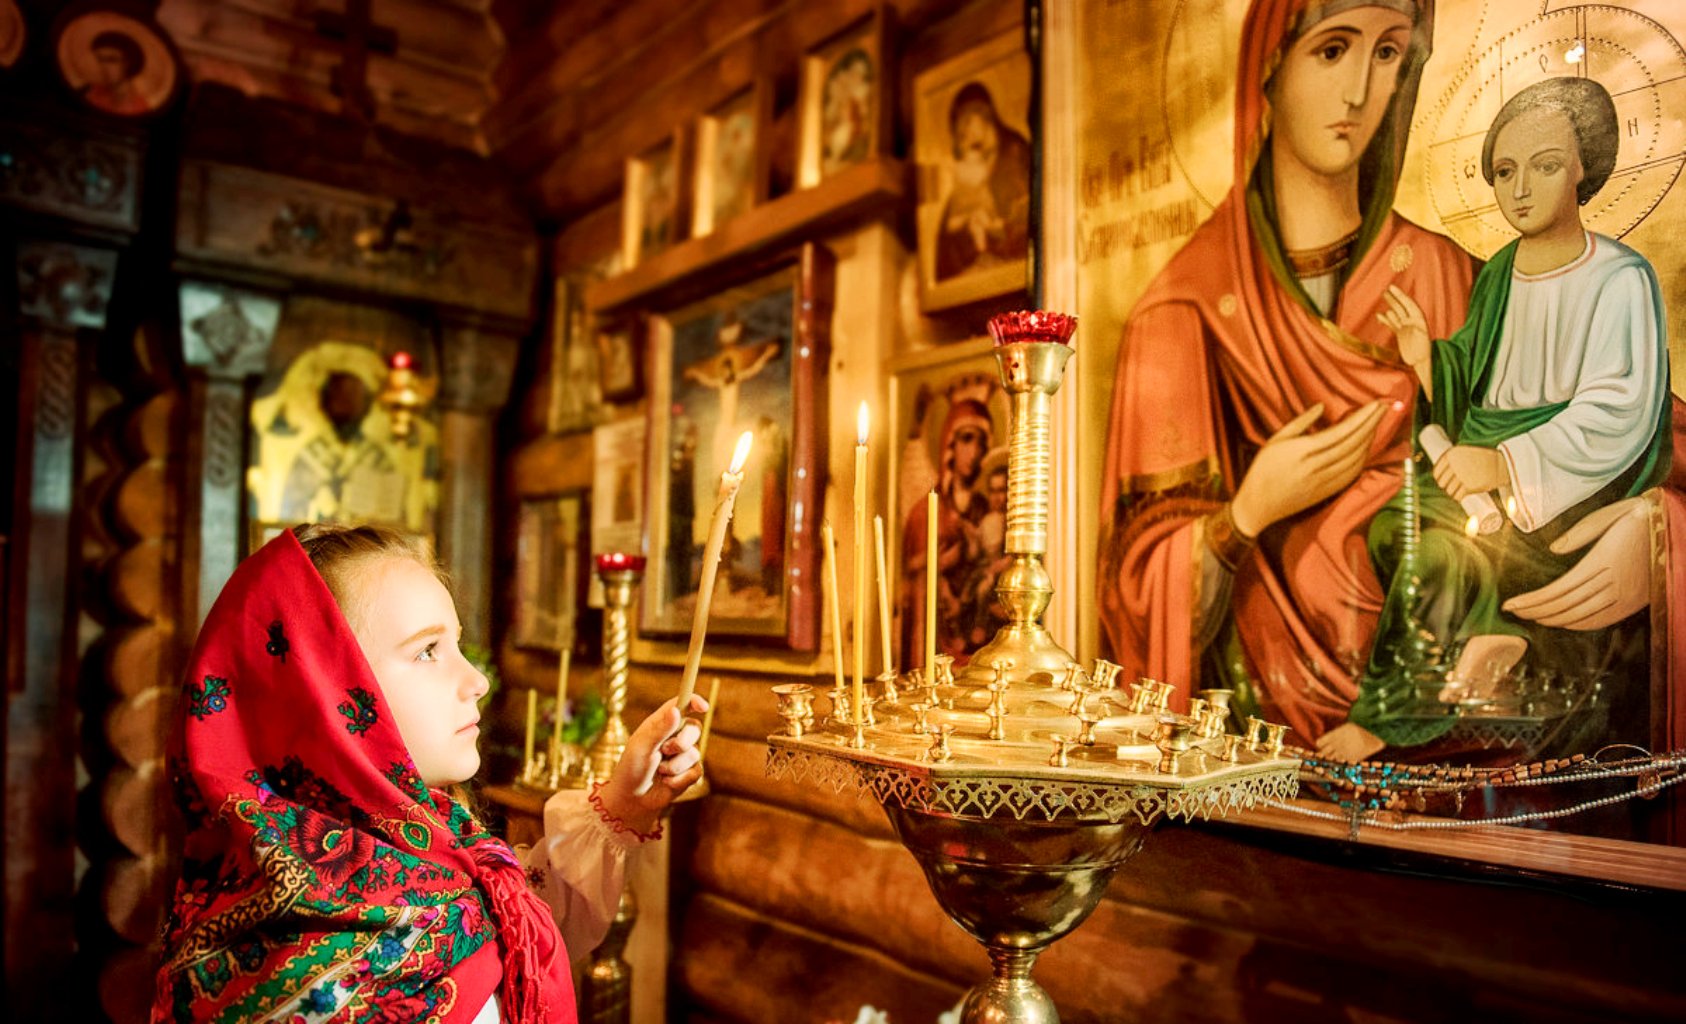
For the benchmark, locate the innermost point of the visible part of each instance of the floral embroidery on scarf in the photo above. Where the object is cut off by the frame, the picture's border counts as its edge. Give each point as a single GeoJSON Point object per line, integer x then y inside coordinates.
{"type": "Point", "coordinates": [207, 698]}
{"type": "Point", "coordinates": [293, 781]}
{"type": "Point", "coordinates": [360, 709]}
{"type": "Point", "coordinates": [403, 774]}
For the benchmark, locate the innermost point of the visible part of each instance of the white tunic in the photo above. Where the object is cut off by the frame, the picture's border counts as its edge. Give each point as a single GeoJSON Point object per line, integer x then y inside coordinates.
{"type": "Point", "coordinates": [1592, 334]}
{"type": "Point", "coordinates": [583, 860]}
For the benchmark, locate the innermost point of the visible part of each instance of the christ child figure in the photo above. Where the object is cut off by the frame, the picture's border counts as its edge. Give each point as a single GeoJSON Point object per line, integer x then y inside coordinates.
{"type": "Point", "coordinates": [1553, 397]}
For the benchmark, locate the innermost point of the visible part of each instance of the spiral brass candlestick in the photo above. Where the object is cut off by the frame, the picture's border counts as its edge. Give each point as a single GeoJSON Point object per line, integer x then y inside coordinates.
{"type": "Point", "coordinates": [620, 575]}
{"type": "Point", "coordinates": [1022, 784]}
{"type": "Point", "coordinates": [1032, 349]}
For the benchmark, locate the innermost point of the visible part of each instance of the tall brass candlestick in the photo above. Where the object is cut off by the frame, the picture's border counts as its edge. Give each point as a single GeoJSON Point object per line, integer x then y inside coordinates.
{"type": "Point", "coordinates": [861, 433]}
{"type": "Point", "coordinates": [532, 725]}
{"type": "Point", "coordinates": [620, 573]}
{"type": "Point", "coordinates": [1032, 348]}
{"type": "Point", "coordinates": [722, 519]}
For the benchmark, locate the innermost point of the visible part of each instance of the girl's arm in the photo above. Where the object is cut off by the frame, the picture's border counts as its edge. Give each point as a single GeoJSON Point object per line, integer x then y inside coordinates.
{"type": "Point", "coordinates": [580, 866]}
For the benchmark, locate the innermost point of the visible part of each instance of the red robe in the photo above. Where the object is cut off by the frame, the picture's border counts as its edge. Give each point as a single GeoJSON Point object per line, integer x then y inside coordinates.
{"type": "Point", "coordinates": [1216, 357]}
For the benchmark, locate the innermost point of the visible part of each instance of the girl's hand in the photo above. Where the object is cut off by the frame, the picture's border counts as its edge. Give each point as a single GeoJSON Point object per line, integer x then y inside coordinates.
{"type": "Point", "coordinates": [1466, 469]}
{"type": "Point", "coordinates": [661, 762]}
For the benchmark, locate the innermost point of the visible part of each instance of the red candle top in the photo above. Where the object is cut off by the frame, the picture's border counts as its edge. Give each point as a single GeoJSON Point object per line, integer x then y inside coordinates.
{"type": "Point", "coordinates": [1032, 325]}
{"type": "Point", "coordinates": [400, 360]}
{"type": "Point", "coordinates": [619, 561]}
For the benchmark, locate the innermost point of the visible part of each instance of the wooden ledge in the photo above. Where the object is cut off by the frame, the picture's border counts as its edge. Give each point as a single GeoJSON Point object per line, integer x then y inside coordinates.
{"type": "Point", "coordinates": [876, 184]}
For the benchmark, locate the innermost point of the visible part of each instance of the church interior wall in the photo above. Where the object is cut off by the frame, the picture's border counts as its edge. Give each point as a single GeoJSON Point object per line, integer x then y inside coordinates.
{"type": "Point", "coordinates": [129, 450]}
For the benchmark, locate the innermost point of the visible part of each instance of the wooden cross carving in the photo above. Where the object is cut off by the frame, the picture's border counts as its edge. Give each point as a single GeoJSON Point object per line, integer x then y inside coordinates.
{"type": "Point", "coordinates": [358, 36]}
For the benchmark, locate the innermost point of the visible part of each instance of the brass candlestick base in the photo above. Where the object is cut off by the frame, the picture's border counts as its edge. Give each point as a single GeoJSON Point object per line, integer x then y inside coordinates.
{"type": "Point", "coordinates": [1015, 887]}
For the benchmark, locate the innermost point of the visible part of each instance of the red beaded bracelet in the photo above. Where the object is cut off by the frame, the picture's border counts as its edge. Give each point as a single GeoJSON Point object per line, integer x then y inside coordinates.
{"type": "Point", "coordinates": [617, 824]}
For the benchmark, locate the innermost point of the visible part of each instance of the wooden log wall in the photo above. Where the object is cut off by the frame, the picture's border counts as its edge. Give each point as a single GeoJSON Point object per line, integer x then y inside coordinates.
{"type": "Point", "coordinates": [132, 690]}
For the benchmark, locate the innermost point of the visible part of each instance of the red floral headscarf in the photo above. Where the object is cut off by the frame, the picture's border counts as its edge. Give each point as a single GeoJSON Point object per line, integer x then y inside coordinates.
{"type": "Point", "coordinates": [322, 880]}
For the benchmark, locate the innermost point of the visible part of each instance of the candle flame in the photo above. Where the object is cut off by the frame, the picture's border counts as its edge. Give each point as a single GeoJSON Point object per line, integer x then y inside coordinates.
{"type": "Point", "coordinates": [740, 454]}
{"type": "Point", "coordinates": [1510, 506]}
{"type": "Point", "coordinates": [863, 422]}
{"type": "Point", "coordinates": [1472, 526]}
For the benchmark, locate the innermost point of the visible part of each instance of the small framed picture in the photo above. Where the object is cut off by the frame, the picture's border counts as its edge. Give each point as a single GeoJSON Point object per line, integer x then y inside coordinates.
{"type": "Point", "coordinates": [971, 118]}
{"type": "Point", "coordinates": [620, 358]}
{"type": "Point", "coordinates": [653, 208]}
{"type": "Point", "coordinates": [551, 549]}
{"type": "Point", "coordinates": [844, 115]}
{"type": "Point", "coordinates": [749, 357]}
{"type": "Point", "coordinates": [115, 62]}
{"type": "Point", "coordinates": [731, 160]}
{"type": "Point", "coordinates": [948, 406]}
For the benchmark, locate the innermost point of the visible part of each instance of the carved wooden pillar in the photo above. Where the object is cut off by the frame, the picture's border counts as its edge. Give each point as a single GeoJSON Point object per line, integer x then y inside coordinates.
{"type": "Point", "coordinates": [226, 334]}
{"type": "Point", "coordinates": [62, 292]}
{"type": "Point", "coordinates": [477, 365]}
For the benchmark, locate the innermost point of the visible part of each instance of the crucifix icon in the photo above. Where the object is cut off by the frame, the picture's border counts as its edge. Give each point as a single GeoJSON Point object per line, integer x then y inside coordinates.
{"type": "Point", "coordinates": [358, 35]}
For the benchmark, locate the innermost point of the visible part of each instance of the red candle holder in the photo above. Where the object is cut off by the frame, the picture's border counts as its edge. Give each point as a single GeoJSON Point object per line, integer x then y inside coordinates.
{"type": "Point", "coordinates": [619, 561]}
{"type": "Point", "coordinates": [1032, 325]}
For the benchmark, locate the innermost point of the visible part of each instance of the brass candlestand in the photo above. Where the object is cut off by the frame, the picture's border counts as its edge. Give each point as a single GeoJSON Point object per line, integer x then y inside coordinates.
{"type": "Point", "coordinates": [620, 575]}
{"type": "Point", "coordinates": [1023, 784]}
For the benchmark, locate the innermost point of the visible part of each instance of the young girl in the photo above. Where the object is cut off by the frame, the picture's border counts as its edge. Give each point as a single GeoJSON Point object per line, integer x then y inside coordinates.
{"type": "Point", "coordinates": [327, 875]}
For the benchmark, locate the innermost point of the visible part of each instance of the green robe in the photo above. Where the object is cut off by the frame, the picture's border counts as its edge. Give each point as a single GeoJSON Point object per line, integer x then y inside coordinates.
{"type": "Point", "coordinates": [1460, 581]}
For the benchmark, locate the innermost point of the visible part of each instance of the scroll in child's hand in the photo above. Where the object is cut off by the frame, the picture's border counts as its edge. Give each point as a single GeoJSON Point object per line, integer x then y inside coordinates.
{"type": "Point", "coordinates": [1483, 510]}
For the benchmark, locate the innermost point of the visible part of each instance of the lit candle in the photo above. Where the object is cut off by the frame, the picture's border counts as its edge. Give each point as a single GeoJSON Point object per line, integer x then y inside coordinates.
{"type": "Point", "coordinates": [829, 551]}
{"type": "Point", "coordinates": [708, 718]}
{"type": "Point", "coordinates": [883, 594]}
{"type": "Point", "coordinates": [862, 429]}
{"type": "Point", "coordinates": [931, 585]}
{"type": "Point", "coordinates": [723, 502]}
{"type": "Point", "coordinates": [532, 723]}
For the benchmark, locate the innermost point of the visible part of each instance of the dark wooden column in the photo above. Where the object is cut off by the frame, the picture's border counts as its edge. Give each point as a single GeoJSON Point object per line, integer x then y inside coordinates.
{"type": "Point", "coordinates": [477, 362]}
{"type": "Point", "coordinates": [226, 334]}
{"type": "Point", "coordinates": [62, 296]}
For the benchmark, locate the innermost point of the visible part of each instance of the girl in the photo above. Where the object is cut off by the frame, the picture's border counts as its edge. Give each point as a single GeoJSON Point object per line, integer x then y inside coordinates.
{"type": "Point", "coordinates": [327, 875]}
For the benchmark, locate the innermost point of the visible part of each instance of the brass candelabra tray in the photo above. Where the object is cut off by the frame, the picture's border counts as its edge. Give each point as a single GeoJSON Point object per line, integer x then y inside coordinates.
{"type": "Point", "coordinates": [1024, 783]}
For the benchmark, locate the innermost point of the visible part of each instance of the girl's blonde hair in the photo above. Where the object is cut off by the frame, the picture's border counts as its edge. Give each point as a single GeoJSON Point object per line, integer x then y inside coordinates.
{"type": "Point", "coordinates": [338, 552]}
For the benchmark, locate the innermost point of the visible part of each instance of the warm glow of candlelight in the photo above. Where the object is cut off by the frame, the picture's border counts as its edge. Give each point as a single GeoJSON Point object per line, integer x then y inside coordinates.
{"type": "Point", "coordinates": [1472, 526]}
{"type": "Point", "coordinates": [863, 424]}
{"type": "Point", "coordinates": [740, 454]}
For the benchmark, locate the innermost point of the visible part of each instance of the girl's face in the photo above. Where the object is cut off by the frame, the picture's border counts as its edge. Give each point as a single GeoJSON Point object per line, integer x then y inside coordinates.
{"type": "Point", "coordinates": [1536, 169]}
{"type": "Point", "coordinates": [407, 626]}
{"type": "Point", "coordinates": [1335, 84]}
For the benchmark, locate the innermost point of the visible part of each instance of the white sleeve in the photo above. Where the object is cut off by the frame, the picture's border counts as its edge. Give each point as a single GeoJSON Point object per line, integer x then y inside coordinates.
{"type": "Point", "coordinates": [1612, 416]}
{"type": "Point", "coordinates": [579, 868]}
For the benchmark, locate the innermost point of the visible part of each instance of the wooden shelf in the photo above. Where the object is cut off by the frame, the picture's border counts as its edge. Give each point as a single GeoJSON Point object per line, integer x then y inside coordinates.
{"type": "Point", "coordinates": [862, 190]}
